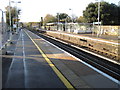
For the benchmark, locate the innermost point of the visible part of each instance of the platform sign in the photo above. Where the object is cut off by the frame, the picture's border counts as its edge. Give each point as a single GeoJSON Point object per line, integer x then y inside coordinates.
{"type": "Point", "coordinates": [96, 22]}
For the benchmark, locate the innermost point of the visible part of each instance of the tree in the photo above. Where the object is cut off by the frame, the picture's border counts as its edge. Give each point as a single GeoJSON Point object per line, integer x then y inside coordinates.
{"type": "Point", "coordinates": [49, 18]}
{"type": "Point", "coordinates": [90, 13]}
{"type": "Point", "coordinates": [108, 13]}
{"type": "Point", "coordinates": [81, 19]}
{"type": "Point", "coordinates": [14, 15]}
{"type": "Point", "coordinates": [62, 17]}
{"type": "Point", "coordinates": [119, 15]}
{"type": "Point", "coordinates": [114, 14]}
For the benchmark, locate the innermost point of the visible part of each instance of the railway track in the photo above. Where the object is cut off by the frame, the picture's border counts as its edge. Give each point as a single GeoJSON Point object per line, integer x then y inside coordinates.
{"type": "Point", "coordinates": [110, 68]}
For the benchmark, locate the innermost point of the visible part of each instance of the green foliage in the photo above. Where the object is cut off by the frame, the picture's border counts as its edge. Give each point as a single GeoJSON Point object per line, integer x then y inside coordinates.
{"type": "Point", "coordinates": [119, 15]}
{"type": "Point", "coordinates": [108, 13]}
{"type": "Point", "coordinates": [49, 18]}
{"type": "Point", "coordinates": [90, 13]}
{"type": "Point", "coordinates": [62, 17]}
{"type": "Point", "coordinates": [81, 19]}
{"type": "Point", "coordinates": [14, 13]}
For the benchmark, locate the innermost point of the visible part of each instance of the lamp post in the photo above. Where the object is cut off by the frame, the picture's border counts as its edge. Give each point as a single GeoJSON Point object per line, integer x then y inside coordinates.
{"type": "Point", "coordinates": [98, 12]}
{"type": "Point", "coordinates": [71, 14]}
{"type": "Point", "coordinates": [10, 21]}
{"type": "Point", "coordinates": [98, 18]}
{"type": "Point", "coordinates": [16, 14]}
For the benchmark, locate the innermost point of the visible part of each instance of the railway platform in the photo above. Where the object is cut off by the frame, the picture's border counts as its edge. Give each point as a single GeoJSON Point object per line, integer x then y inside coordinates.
{"type": "Point", "coordinates": [111, 38]}
{"type": "Point", "coordinates": [37, 63]}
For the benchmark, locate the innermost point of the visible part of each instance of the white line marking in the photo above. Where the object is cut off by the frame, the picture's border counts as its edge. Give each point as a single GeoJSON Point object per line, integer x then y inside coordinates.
{"type": "Point", "coordinates": [104, 74]}
{"type": "Point", "coordinates": [24, 64]}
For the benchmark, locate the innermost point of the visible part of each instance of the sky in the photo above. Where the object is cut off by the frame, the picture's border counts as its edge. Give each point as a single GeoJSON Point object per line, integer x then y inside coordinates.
{"type": "Point", "coordinates": [33, 10]}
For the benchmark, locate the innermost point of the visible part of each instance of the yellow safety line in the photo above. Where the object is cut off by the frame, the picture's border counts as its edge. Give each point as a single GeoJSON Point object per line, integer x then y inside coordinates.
{"type": "Point", "coordinates": [59, 74]}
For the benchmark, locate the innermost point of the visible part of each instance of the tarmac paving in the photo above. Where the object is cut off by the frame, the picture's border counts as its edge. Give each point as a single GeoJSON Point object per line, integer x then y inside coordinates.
{"type": "Point", "coordinates": [79, 74]}
{"type": "Point", "coordinates": [7, 57]}
{"type": "Point", "coordinates": [28, 69]}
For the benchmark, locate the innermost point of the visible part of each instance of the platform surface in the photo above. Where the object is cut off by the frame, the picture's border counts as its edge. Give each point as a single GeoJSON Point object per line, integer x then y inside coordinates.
{"type": "Point", "coordinates": [30, 68]}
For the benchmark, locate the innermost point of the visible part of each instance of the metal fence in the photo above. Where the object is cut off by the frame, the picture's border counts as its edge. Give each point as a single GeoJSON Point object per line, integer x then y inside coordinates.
{"type": "Point", "coordinates": [4, 33]}
{"type": "Point", "coordinates": [71, 27]}
{"type": "Point", "coordinates": [84, 28]}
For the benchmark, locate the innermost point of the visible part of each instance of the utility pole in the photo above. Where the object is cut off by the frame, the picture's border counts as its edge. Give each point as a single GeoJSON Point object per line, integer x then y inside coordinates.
{"type": "Point", "coordinates": [10, 22]}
